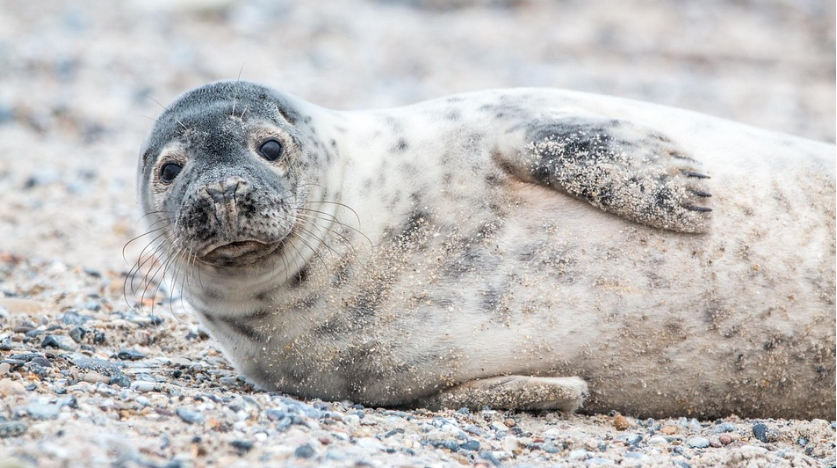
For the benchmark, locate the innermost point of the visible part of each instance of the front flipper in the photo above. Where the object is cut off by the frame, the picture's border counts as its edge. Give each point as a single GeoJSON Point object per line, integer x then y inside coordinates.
{"type": "Point", "coordinates": [512, 392]}
{"type": "Point", "coordinates": [621, 168]}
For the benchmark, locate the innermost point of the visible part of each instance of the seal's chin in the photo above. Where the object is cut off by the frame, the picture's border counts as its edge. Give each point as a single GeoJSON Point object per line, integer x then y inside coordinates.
{"type": "Point", "coordinates": [240, 253]}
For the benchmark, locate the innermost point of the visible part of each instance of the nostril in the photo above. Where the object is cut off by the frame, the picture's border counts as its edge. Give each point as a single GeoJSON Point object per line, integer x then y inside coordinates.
{"type": "Point", "coordinates": [224, 192]}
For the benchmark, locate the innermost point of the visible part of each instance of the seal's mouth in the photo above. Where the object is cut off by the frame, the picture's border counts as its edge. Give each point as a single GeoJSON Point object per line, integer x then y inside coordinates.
{"type": "Point", "coordinates": [240, 253]}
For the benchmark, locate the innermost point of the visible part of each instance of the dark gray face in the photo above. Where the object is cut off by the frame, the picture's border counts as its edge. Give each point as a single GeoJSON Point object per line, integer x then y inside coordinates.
{"type": "Point", "coordinates": [220, 174]}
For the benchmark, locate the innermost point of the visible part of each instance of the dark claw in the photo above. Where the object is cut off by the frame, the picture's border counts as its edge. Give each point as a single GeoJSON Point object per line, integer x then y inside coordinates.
{"type": "Point", "coordinates": [698, 193]}
{"type": "Point", "coordinates": [680, 156]}
{"type": "Point", "coordinates": [701, 209]}
{"type": "Point", "coordinates": [695, 175]}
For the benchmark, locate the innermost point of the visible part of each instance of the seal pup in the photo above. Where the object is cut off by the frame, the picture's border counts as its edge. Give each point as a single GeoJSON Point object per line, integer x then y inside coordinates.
{"type": "Point", "coordinates": [522, 248]}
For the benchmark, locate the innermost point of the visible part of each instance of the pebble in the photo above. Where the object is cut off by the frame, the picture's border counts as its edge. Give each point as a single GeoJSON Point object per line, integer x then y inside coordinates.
{"type": "Point", "coordinates": [621, 423]}
{"type": "Point", "coordinates": [189, 416]}
{"type": "Point", "coordinates": [697, 442]}
{"type": "Point", "coordinates": [724, 427]}
{"type": "Point", "coordinates": [10, 387]}
{"type": "Point", "coordinates": [38, 410]}
{"type": "Point", "coordinates": [243, 446]}
{"type": "Point", "coordinates": [550, 448]}
{"type": "Point", "coordinates": [473, 430]}
{"type": "Point", "coordinates": [142, 386]}
{"type": "Point", "coordinates": [74, 318]}
{"type": "Point", "coordinates": [12, 429]}
{"type": "Point", "coordinates": [99, 365]}
{"type": "Point", "coordinates": [471, 445]}
{"type": "Point", "coordinates": [760, 431]}
{"type": "Point", "coordinates": [630, 439]}
{"type": "Point", "coordinates": [5, 367]}
{"type": "Point", "coordinates": [669, 430]}
{"type": "Point", "coordinates": [59, 341]}
{"type": "Point", "coordinates": [130, 355]}
{"type": "Point", "coordinates": [120, 380]}
{"type": "Point", "coordinates": [578, 454]}
{"type": "Point", "coordinates": [304, 451]}
{"type": "Point", "coordinates": [370, 443]}
{"type": "Point", "coordinates": [77, 334]}
{"type": "Point", "coordinates": [725, 439]}
{"type": "Point", "coordinates": [498, 426]}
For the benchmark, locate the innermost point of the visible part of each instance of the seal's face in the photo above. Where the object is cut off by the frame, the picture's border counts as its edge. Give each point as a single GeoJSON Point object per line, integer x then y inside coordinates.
{"type": "Point", "coordinates": [217, 178]}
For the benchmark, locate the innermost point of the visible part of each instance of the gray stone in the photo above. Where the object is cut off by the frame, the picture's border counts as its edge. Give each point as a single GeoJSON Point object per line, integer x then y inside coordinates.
{"type": "Point", "coordinates": [697, 442]}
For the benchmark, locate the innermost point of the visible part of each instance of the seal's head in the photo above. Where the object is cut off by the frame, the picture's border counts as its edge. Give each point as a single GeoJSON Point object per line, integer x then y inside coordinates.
{"type": "Point", "coordinates": [220, 175]}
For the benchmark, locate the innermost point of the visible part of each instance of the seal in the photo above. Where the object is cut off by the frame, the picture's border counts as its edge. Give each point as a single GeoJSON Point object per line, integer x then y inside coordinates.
{"type": "Point", "coordinates": [522, 249]}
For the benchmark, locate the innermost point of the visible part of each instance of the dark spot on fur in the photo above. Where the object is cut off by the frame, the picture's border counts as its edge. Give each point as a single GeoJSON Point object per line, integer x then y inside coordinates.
{"type": "Point", "coordinates": [490, 299]}
{"type": "Point", "coordinates": [240, 326]}
{"type": "Point", "coordinates": [415, 220]}
{"type": "Point", "coordinates": [401, 146]}
{"type": "Point", "coordinates": [300, 278]}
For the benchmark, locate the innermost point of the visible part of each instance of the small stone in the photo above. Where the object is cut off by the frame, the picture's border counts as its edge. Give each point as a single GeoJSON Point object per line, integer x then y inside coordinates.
{"type": "Point", "coordinates": [698, 442]}
{"type": "Point", "coordinates": [498, 426]}
{"type": "Point", "coordinates": [802, 441]}
{"type": "Point", "coordinates": [59, 341]}
{"type": "Point", "coordinates": [130, 355]}
{"type": "Point", "coordinates": [715, 442]}
{"type": "Point", "coordinates": [120, 380]}
{"type": "Point", "coordinates": [77, 334]}
{"type": "Point", "coordinates": [42, 410]}
{"type": "Point", "coordinates": [448, 444]}
{"type": "Point", "coordinates": [724, 427]}
{"type": "Point", "coordinates": [549, 448]}
{"type": "Point", "coordinates": [189, 416]}
{"type": "Point", "coordinates": [630, 439]}
{"type": "Point", "coordinates": [657, 440]}
{"type": "Point", "coordinates": [669, 430]}
{"type": "Point", "coordinates": [510, 422]}
{"type": "Point", "coordinates": [725, 439]}
{"type": "Point", "coordinates": [74, 318]}
{"type": "Point", "coordinates": [304, 451]}
{"type": "Point", "coordinates": [12, 429]}
{"type": "Point", "coordinates": [621, 423]}
{"type": "Point", "coordinates": [578, 454]}
{"type": "Point", "coordinates": [760, 431]}
{"type": "Point", "coordinates": [243, 446]}
{"type": "Point", "coordinates": [5, 367]}
{"type": "Point", "coordinates": [372, 444]}
{"type": "Point", "coordinates": [98, 337]}
{"type": "Point", "coordinates": [143, 386]}
{"type": "Point", "coordinates": [473, 430]}
{"type": "Point", "coordinates": [471, 445]}
{"type": "Point", "coordinates": [99, 365]}
{"type": "Point", "coordinates": [637, 456]}
{"type": "Point", "coordinates": [94, 377]}
{"type": "Point", "coordinates": [11, 387]}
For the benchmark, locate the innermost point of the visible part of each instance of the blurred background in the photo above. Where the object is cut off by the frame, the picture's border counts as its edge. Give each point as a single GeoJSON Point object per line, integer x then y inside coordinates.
{"type": "Point", "coordinates": [80, 81]}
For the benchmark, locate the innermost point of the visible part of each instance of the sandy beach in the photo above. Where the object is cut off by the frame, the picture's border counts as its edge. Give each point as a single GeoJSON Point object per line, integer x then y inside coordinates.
{"type": "Point", "coordinates": [91, 375]}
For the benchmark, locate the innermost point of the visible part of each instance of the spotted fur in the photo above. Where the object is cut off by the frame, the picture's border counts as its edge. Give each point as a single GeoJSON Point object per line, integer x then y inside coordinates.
{"type": "Point", "coordinates": [518, 248]}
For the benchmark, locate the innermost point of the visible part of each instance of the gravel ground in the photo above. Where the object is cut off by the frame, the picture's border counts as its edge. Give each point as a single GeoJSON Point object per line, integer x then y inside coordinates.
{"type": "Point", "coordinates": [90, 377]}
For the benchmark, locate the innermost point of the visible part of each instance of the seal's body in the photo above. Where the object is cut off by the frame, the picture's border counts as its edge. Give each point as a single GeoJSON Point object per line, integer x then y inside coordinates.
{"type": "Point", "coordinates": [514, 248]}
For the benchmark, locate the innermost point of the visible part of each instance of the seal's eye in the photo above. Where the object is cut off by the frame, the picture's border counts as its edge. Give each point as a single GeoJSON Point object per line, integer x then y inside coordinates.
{"type": "Point", "coordinates": [169, 171]}
{"type": "Point", "coordinates": [271, 150]}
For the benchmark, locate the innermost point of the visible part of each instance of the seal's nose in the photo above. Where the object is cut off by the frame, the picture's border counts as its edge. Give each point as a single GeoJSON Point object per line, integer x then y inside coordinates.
{"type": "Point", "coordinates": [224, 191]}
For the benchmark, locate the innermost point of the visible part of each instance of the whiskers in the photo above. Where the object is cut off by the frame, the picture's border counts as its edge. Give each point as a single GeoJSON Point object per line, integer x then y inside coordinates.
{"type": "Point", "coordinates": [161, 260]}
